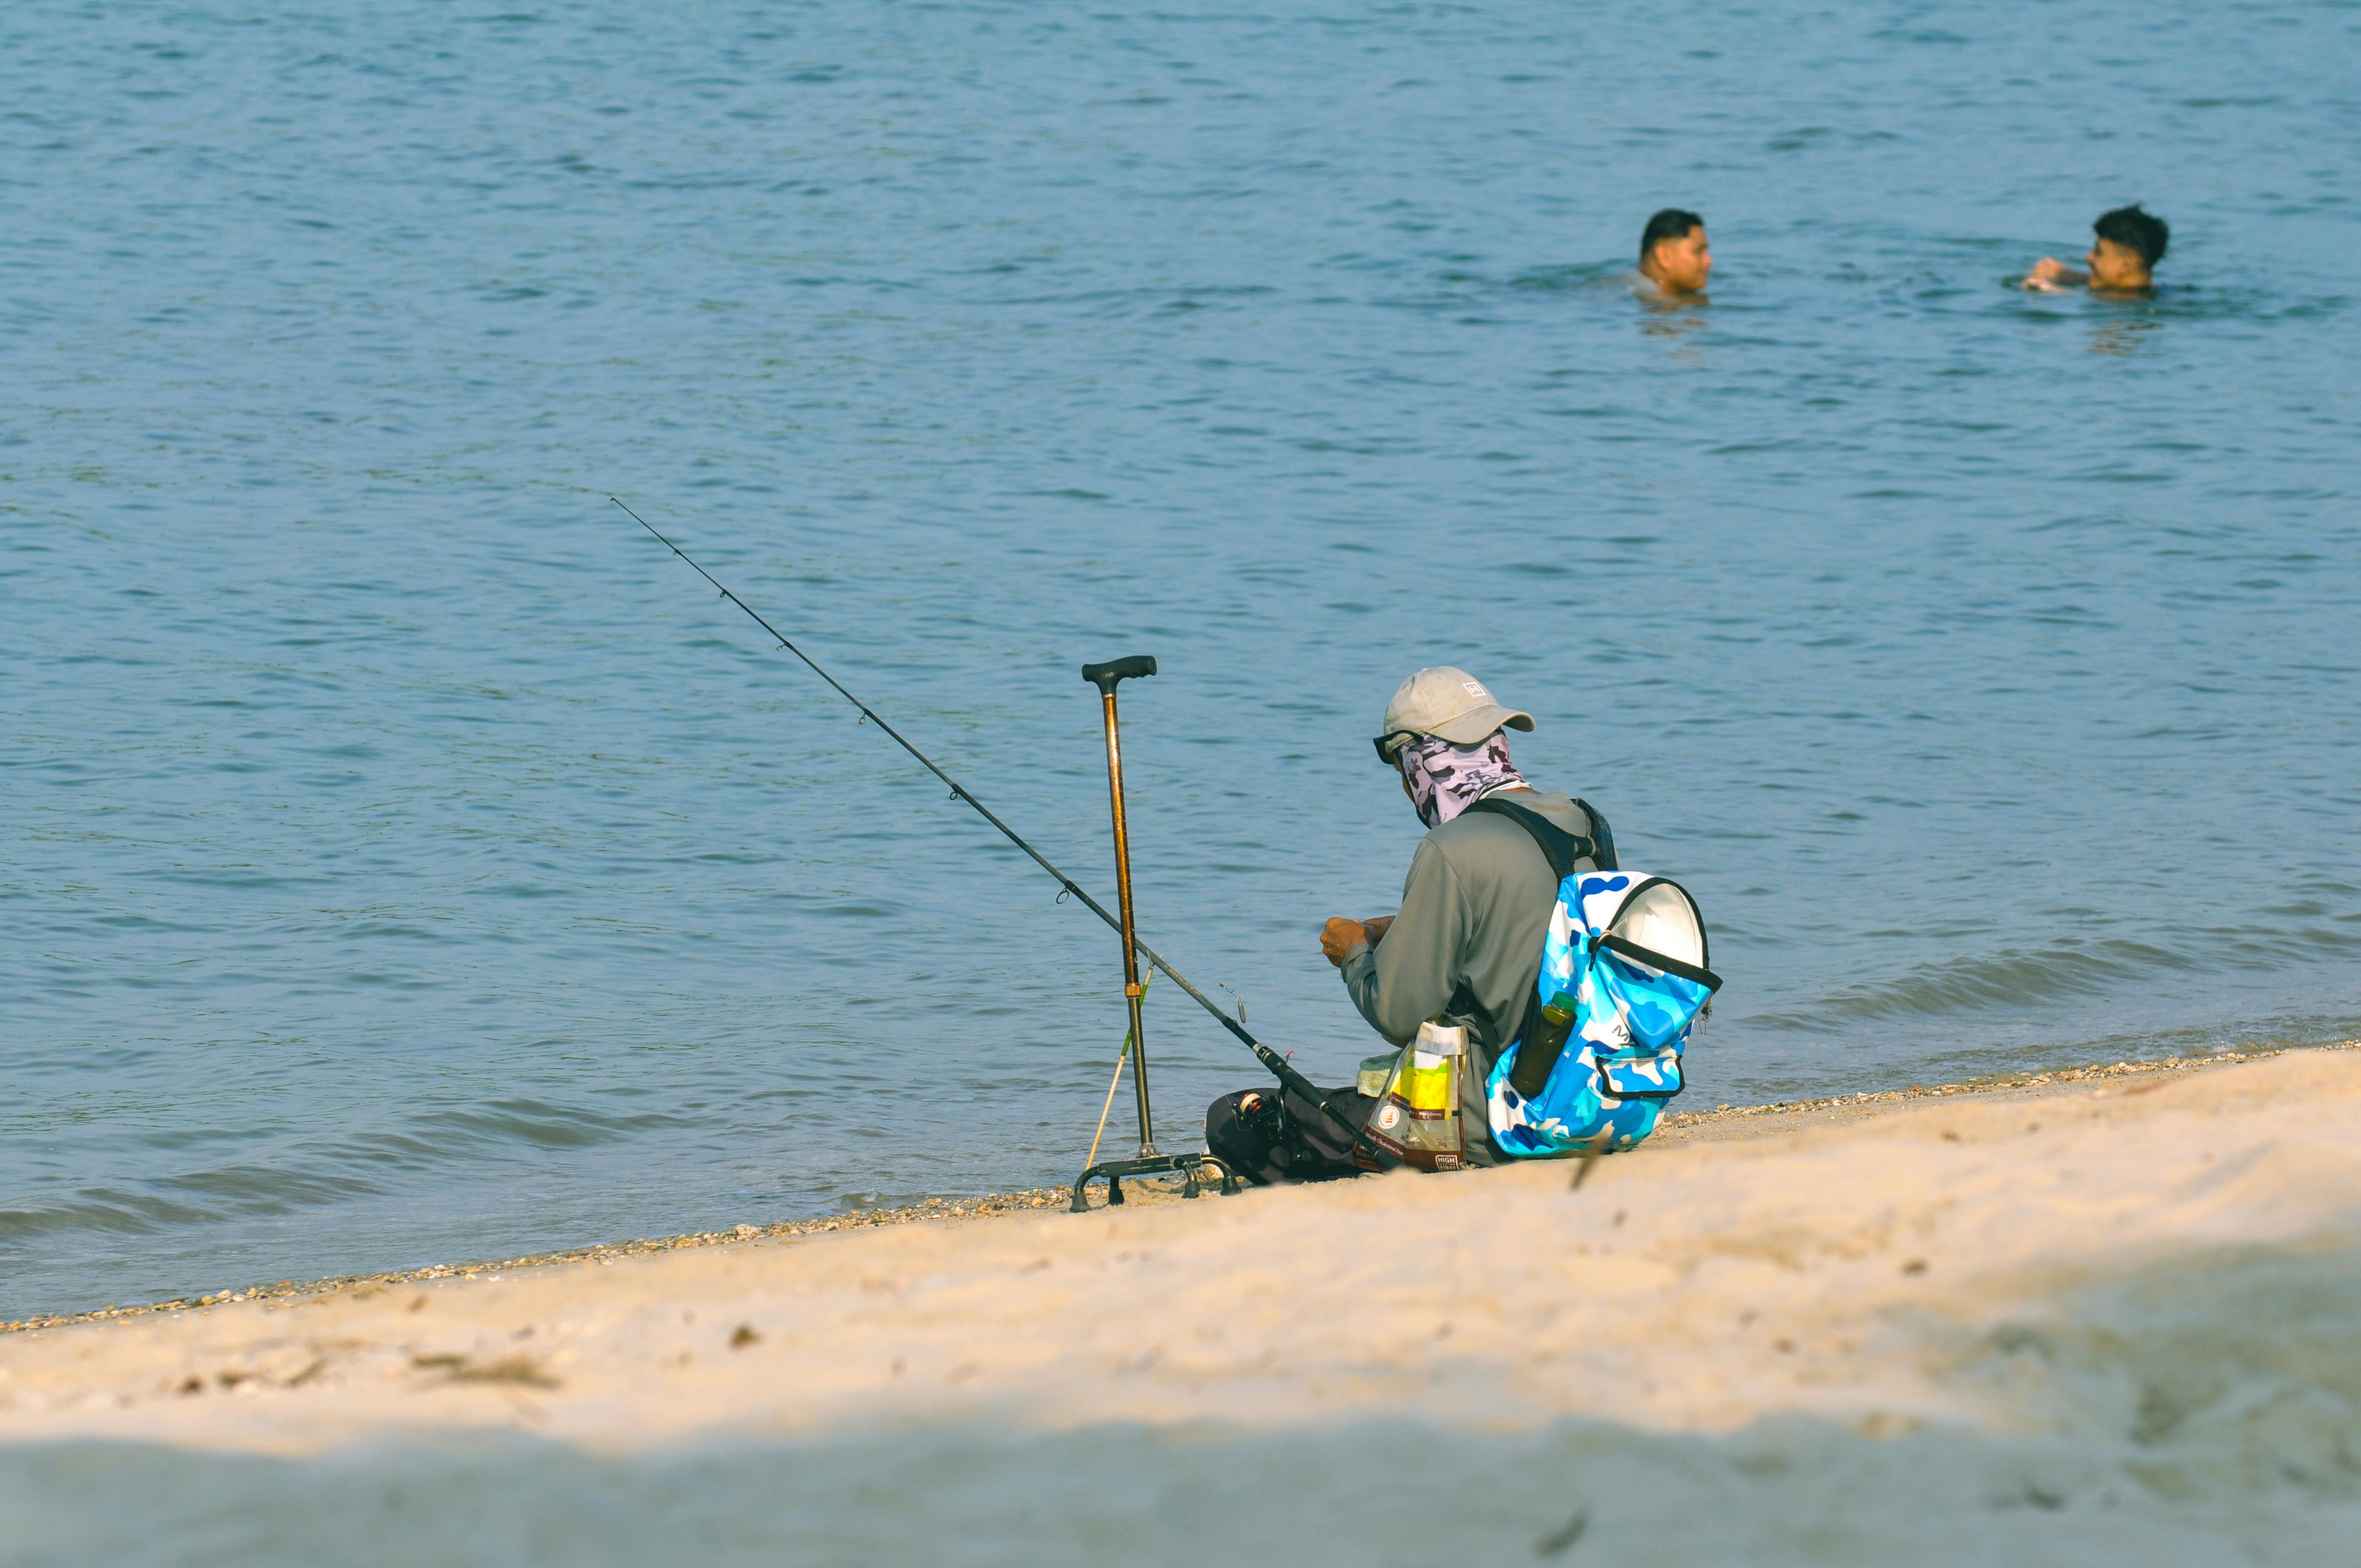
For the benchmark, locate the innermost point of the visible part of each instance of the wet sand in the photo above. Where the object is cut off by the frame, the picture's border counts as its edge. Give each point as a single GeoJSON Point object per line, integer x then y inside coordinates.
{"type": "Point", "coordinates": [2104, 1316]}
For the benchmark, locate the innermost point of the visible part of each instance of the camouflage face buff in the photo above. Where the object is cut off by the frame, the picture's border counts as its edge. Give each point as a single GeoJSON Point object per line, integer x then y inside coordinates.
{"type": "Point", "coordinates": [1446, 780]}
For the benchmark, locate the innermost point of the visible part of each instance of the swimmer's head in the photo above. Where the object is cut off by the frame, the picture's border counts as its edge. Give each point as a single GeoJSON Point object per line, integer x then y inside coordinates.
{"type": "Point", "coordinates": [2130, 243]}
{"type": "Point", "coordinates": [1673, 252]}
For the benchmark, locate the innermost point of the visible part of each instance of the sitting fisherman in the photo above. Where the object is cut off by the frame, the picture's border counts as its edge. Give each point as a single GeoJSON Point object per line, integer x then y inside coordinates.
{"type": "Point", "coordinates": [2122, 259]}
{"type": "Point", "coordinates": [1464, 949]}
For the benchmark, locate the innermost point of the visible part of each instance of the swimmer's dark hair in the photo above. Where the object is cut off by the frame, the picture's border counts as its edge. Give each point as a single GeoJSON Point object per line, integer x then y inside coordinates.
{"type": "Point", "coordinates": [2135, 231]}
{"type": "Point", "coordinates": [1674, 223]}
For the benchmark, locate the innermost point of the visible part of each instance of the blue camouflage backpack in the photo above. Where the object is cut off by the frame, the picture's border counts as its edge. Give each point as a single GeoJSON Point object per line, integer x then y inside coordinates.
{"type": "Point", "coordinates": [1623, 982]}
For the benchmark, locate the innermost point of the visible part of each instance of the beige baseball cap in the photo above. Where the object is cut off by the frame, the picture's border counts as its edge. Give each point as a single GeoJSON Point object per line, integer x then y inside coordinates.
{"type": "Point", "coordinates": [1448, 702]}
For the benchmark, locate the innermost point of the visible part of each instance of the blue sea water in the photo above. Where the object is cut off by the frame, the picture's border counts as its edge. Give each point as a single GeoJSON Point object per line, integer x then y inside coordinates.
{"type": "Point", "coordinates": [407, 860]}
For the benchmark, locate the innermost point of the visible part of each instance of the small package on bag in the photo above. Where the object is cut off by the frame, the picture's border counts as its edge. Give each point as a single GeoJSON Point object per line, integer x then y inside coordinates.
{"type": "Point", "coordinates": [1417, 1118]}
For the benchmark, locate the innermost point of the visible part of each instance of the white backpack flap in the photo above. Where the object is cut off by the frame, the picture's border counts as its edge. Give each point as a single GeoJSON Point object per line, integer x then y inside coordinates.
{"type": "Point", "coordinates": [1649, 954]}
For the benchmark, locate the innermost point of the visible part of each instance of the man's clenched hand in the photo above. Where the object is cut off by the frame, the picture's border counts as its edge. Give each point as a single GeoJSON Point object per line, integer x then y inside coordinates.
{"type": "Point", "coordinates": [1340, 937]}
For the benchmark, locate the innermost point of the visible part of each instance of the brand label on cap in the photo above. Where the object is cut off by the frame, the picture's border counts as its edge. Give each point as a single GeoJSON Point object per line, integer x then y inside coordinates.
{"type": "Point", "coordinates": [1475, 689]}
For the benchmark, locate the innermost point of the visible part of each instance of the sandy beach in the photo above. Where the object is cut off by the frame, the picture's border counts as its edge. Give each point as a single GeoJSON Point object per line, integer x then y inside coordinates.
{"type": "Point", "coordinates": [2108, 1319]}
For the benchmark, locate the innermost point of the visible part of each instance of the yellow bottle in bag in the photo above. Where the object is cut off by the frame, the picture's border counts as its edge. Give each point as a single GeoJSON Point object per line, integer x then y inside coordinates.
{"type": "Point", "coordinates": [1416, 1118]}
{"type": "Point", "coordinates": [1427, 1085]}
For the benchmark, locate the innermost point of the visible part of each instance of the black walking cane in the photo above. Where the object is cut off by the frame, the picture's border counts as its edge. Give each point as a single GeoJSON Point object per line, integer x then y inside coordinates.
{"type": "Point", "coordinates": [1106, 677]}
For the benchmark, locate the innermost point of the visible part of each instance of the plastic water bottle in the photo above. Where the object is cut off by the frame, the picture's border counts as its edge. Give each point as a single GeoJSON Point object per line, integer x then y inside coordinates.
{"type": "Point", "coordinates": [1434, 1068]}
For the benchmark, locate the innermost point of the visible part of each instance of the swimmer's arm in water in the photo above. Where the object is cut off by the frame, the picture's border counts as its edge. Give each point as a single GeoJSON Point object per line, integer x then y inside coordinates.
{"type": "Point", "coordinates": [2050, 275]}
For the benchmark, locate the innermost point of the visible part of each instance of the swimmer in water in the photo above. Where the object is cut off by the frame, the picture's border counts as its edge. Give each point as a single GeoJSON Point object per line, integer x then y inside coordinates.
{"type": "Point", "coordinates": [1673, 261]}
{"type": "Point", "coordinates": [2123, 260]}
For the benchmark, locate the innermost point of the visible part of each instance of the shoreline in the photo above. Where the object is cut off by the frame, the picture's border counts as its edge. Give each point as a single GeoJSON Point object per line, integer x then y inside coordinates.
{"type": "Point", "coordinates": [2106, 1317]}
{"type": "Point", "coordinates": [1678, 1128]}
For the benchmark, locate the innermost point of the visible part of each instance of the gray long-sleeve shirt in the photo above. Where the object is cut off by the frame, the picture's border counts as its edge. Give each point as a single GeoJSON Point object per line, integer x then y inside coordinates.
{"type": "Point", "coordinates": [1467, 946]}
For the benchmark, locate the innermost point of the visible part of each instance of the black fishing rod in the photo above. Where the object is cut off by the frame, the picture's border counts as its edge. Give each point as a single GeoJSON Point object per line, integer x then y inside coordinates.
{"type": "Point", "coordinates": [1277, 1064]}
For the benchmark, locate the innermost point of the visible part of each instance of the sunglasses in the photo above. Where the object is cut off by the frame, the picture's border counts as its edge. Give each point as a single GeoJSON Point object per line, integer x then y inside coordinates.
{"type": "Point", "coordinates": [1388, 744]}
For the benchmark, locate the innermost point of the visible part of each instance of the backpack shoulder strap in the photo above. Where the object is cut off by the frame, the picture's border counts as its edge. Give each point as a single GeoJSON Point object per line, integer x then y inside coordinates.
{"type": "Point", "coordinates": [1558, 847]}
{"type": "Point", "coordinates": [1561, 849]}
{"type": "Point", "coordinates": [1603, 837]}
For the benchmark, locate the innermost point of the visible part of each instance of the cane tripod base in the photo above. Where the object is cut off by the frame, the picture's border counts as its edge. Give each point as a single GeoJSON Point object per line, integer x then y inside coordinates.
{"type": "Point", "coordinates": [1189, 1166]}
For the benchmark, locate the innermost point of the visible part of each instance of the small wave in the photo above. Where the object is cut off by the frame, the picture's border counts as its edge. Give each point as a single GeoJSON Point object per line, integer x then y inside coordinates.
{"type": "Point", "coordinates": [193, 1198]}
{"type": "Point", "coordinates": [322, 1174]}
{"type": "Point", "coordinates": [2073, 969]}
{"type": "Point", "coordinates": [533, 1123]}
{"type": "Point", "coordinates": [2010, 978]}
{"type": "Point", "coordinates": [99, 1212]}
